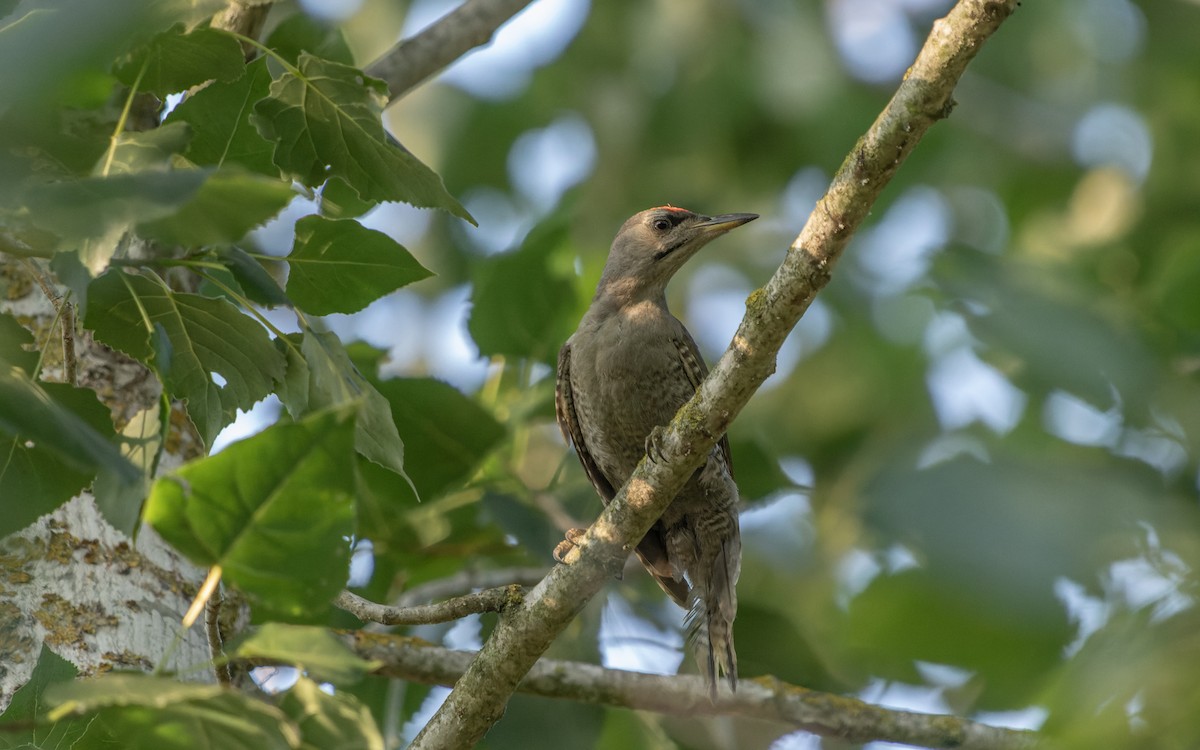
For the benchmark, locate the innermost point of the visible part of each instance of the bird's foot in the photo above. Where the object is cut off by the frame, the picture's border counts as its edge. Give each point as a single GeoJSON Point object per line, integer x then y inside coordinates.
{"type": "Point", "coordinates": [567, 551]}
{"type": "Point", "coordinates": [654, 444]}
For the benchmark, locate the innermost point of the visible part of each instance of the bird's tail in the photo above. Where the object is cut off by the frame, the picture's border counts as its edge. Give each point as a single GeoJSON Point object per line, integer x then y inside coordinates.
{"type": "Point", "coordinates": [709, 622]}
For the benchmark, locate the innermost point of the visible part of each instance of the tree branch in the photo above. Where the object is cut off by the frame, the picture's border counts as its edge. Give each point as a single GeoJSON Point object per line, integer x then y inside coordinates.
{"type": "Point", "coordinates": [467, 581]}
{"type": "Point", "coordinates": [469, 25]}
{"type": "Point", "coordinates": [525, 632]}
{"type": "Point", "coordinates": [686, 695]}
{"type": "Point", "coordinates": [488, 600]}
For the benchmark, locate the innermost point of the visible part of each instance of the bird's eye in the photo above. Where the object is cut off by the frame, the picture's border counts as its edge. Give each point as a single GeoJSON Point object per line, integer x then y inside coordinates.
{"type": "Point", "coordinates": [661, 225]}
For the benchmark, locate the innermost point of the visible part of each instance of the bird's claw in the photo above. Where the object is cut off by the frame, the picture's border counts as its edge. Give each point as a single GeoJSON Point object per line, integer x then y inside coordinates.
{"type": "Point", "coordinates": [567, 551]}
{"type": "Point", "coordinates": [654, 445]}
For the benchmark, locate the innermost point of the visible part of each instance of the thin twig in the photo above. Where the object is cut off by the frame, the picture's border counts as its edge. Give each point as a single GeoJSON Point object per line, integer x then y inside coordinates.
{"type": "Point", "coordinates": [467, 581]}
{"type": "Point", "coordinates": [763, 698]}
{"type": "Point", "coordinates": [469, 25]}
{"type": "Point", "coordinates": [488, 600]}
{"type": "Point", "coordinates": [216, 644]}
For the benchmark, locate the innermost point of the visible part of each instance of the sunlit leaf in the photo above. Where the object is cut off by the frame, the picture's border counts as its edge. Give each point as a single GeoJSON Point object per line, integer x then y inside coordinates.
{"type": "Point", "coordinates": [143, 712]}
{"type": "Point", "coordinates": [328, 721]}
{"type": "Point", "coordinates": [273, 510]}
{"type": "Point", "coordinates": [314, 650]}
{"type": "Point", "coordinates": [145, 150]}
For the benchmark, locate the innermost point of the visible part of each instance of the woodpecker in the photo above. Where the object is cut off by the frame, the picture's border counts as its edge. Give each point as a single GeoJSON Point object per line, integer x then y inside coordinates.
{"type": "Point", "coordinates": [621, 377]}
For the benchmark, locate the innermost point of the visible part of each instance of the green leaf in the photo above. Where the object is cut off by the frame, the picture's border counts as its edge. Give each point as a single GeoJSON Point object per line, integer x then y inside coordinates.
{"type": "Point", "coordinates": [175, 61]}
{"type": "Point", "coordinates": [314, 650]}
{"type": "Point", "coordinates": [227, 206]}
{"type": "Point", "coordinates": [330, 721]}
{"type": "Point", "coordinates": [86, 37]}
{"type": "Point", "coordinates": [445, 433]}
{"type": "Point", "coordinates": [300, 33]}
{"type": "Point", "coordinates": [142, 712]}
{"type": "Point", "coordinates": [341, 201]}
{"type": "Point", "coordinates": [273, 510]}
{"type": "Point", "coordinates": [91, 215]}
{"type": "Point", "coordinates": [16, 344]}
{"type": "Point", "coordinates": [27, 700]}
{"type": "Point", "coordinates": [385, 502]}
{"type": "Point", "coordinates": [219, 116]}
{"type": "Point", "coordinates": [325, 120]}
{"type": "Point", "coordinates": [205, 336]}
{"type": "Point", "coordinates": [340, 266]}
{"type": "Point", "coordinates": [120, 499]}
{"type": "Point", "coordinates": [54, 439]}
{"type": "Point", "coordinates": [909, 617]}
{"type": "Point", "coordinates": [148, 149]}
{"type": "Point", "coordinates": [256, 282]}
{"type": "Point", "coordinates": [323, 377]}
{"type": "Point", "coordinates": [521, 307]}
{"type": "Point", "coordinates": [757, 470]}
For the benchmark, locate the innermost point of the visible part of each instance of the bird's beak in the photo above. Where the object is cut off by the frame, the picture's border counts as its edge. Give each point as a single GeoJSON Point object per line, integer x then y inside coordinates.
{"type": "Point", "coordinates": [724, 222]}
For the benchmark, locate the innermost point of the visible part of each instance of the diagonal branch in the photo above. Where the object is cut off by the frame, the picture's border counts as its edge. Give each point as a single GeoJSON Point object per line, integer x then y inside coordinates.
{"type": "Point", "coordinates": [525, 632]}
{"type": "Point", "coordinates": [764, 698]}
{"type": "Point", "coordinates": [466, 27]}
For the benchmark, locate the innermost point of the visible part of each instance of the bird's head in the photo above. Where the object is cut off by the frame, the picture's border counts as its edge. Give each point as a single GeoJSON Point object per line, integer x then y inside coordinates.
{"type": "Point", "coordinates": [654, 244]}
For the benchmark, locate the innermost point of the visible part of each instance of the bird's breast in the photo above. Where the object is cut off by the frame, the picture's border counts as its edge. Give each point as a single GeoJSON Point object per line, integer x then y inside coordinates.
{"type": "Point", "coordinates": [627, 379]}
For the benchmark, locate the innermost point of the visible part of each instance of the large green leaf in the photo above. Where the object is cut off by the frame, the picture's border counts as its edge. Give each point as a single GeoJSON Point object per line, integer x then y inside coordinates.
{"type": "Point", "coordinates": [445, 433]}
{"type": "Point", "coordinates": [314, 650]}
{"type": "Point", "coordinates": [321, 375]}
{"type": "Point", "coordinates": [273, 510]}
{"type": "Point", "coordinates": [340, 266]}
{"type": "Point", "coordinates": [255, 281]}
{"type": "Point", "coordinates": [86, 37]}
{"type": "Point", "coordinates": [145, 150]}
{"type": "Point", "coordinates": [521, 306]}
{"type": "Point", "coordinates": [91, 215]}
{"type": "Point", "coordinates": [325, 119]}
{"type": "Point", "coordinates": [27, 700]}
{"type": "Point", "coordinates": [205, 336]}
{"type": "Point", "coordinates": [227, 206]}
{"type": "Point", "coordinates": [174, 61]}
{"type": "Point", "coordinates": [300, 33]}
{"type": "Point", "coordinates": [219, 116]}
{"type": "Point", "coordinates": [330, 721]}
{"type": "Point", "coordinates": [54, 440]}
{"type": "Point", "coordinates": [16, 344]}
{"type": "Point", "coordinates": [142, 712]}
{"type": "Point", "coordinates": [911, 617]}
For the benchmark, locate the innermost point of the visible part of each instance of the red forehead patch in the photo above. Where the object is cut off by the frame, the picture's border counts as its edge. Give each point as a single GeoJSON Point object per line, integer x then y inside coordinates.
{"type": "Point", "coordinates": [669, 207]}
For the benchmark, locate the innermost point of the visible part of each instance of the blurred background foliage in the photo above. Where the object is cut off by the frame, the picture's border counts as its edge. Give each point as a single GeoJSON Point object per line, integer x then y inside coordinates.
{"type": "Point", "coordinates": [971, 486]}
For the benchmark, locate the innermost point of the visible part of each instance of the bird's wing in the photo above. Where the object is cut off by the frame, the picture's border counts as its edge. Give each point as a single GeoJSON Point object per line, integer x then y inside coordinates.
{"type": "Point", "coordinates": [693, 365]}
{"type": "Point", "coordinates": [568, 422]}
{"type": "Point", "coordinates": [652, 550]}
